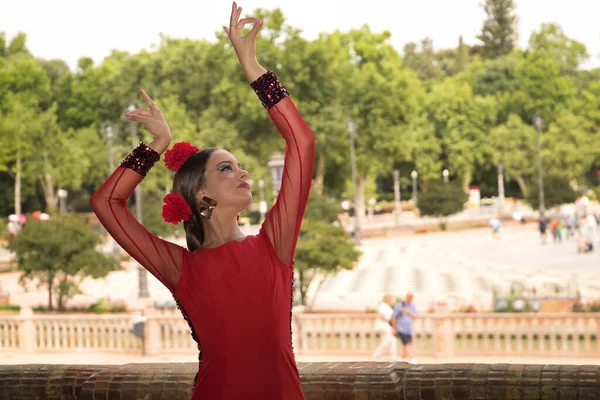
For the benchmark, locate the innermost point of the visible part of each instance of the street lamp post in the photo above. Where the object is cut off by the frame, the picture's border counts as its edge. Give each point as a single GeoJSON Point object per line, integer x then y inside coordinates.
{"type": "Point", "coordinates": [276, 164]}
{"type": "Point", "coordinates": [397, 198]}
{"type": "Point", "coordinates": [110, 135]}
{"type": "Point", "coordinates": [142, 274]}
{"type": "Point", "coordinates": [537, 121]}
{"type": "Point", "coordinates": [445, 174]}
{"type": "Point", "coordinates": [500, 189]}
{"type": "Point", "coordinates": [263, 204]}
{"type": "Point", "coordinates": [351, 129]}
{"type": "Point", "coordinates": [62, 198]}
{"type": "Point", "coordinates": [414, 175]}
{"type": "Point", "coordinates": [108, 131]}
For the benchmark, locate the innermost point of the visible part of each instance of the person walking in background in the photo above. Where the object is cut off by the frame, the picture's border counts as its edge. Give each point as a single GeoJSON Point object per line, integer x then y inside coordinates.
{"type": "Point", "coordinates": [496, 225]}
{"type": "Point", "coordinates": [590, 231]}
{"type": "Point", "coordinates": [404, 314]}
{"type": "Point", "coordinates": [542, 226]}
{"type": "Point", "coordinates": [384, 326]}
{"type": "Point", "coordinates": [554, 228]}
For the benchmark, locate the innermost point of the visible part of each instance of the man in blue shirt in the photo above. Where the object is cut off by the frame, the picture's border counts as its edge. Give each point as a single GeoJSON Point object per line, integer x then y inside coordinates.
{"type": "Point", "coordinates": [404, 314]}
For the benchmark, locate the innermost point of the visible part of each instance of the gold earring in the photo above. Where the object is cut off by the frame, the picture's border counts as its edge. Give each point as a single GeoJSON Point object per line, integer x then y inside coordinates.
{"type": "Point", "coordinates": [207, 205]}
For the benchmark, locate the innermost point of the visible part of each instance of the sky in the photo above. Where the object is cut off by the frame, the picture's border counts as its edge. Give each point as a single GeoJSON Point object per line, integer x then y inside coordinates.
{"type": "Point", "coordinates": [70, 29]}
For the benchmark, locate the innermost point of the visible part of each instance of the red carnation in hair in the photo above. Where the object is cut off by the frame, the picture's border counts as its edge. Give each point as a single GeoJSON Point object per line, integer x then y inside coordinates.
{"type": "Point", "coordinates": [176, 209]}
{"type": "Point", "coordinates": [179, 154]}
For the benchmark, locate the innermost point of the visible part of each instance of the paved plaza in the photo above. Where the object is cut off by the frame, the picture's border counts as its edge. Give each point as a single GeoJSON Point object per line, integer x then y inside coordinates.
{"type": "Point", "coordinates": [461, 268]}
{"type": "Point", "coordinates": [458, 267]}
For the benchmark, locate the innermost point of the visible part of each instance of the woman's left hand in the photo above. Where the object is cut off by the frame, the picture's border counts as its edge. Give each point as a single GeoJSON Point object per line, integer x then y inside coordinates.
{"type": "Point", "coordinates": [245, 46]}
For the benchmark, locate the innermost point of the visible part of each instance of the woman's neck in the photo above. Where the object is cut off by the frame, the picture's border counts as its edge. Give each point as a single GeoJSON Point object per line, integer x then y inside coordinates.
{"type": "Point", "coordinates": [220, 229]}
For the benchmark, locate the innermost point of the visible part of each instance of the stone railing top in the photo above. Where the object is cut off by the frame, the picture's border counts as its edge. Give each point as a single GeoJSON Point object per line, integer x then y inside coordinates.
{"type": "Point", "coordinates": [320, 381]}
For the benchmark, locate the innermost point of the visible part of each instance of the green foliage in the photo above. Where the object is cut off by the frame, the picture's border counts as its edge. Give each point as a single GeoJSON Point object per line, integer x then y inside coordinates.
{"type": "Point", "coordinates": [552, 41]}
{"type": "Point", "coordinates": [514, 148]}
{"type": "Point", "coordinates": [465, 108]}
{"type": "Point", "coordinates": [570, 146]}
{"type": "Point", "coordinates": [59, 253]}
{"type": "Point", "coordinates": [322, 208]}
{"type": "Point", "coordinates": [544, 91]}
{"type": "Point", "coordinates": [106, 306]}
{"type": "Point", "coordinates": [152, 215]}
{"type": "Point", "coordinates": [442, 199]}
{"type": "Point", "coordinates": [497, 76]}
{"type": "Point", "coordinates": [498, 34]}
{"type": "Point", "coordinates": [557, 191]}
{"type": "Point", "coordinates": [322, 247]}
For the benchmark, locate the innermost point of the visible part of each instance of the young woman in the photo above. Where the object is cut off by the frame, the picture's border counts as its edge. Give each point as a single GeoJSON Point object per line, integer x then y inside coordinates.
{"type": "Point", "coordinates": [234, 290]}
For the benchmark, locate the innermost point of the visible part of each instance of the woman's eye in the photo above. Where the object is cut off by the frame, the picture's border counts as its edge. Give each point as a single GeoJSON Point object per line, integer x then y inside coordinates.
{"type": "Point", "coordinates": [227, 167]}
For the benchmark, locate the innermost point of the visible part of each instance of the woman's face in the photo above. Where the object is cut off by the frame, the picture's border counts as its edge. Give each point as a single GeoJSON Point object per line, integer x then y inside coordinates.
{"type": "Point", "coordinates": [226, 182]}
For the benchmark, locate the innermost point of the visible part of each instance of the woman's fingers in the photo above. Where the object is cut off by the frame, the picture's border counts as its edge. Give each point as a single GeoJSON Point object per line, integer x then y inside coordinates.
{"type": "Point", "coordinates": [138, 117]}
{"type": "Point", "coordinates": [146, 98]}
{"type": "Point", "coordinates": [242, 22]}
{"type": "Point", "coordinates": [256, 28]}
{"type": "Point", "coordinates": [232, 19]}
{"type": "Point", "coordinates": [141, 113]}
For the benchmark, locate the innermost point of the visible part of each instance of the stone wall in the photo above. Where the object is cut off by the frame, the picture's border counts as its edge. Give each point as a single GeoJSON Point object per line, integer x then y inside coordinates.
{"type": "Point", "coordinates": [320, 381]}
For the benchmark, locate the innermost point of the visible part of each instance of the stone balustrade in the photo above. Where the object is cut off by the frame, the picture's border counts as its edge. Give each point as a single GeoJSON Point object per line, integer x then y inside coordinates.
{"type": "Point", "coordinates": [443, 335]}
{"type": "Point", "coordinates": [320, 381]}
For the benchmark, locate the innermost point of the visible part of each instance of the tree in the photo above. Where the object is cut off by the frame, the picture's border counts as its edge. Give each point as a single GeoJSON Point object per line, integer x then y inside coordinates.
{"type": "Point", "coordinates": [514, 147]}
{"type": "Point", "coordinates": [552, 41]}
{"type": "Point", "coordinates": [384, 99]}
{"type": "Point", "coordinates": [323, 246]}
{"type": "Point", "coordinates": [427, 150]}
{"type": "Point", "coordinates": [544, 91]}
{"type": "Point", "coordinates": [422, 61]}
{"type": "Point", "coordinates": [462, 56]}
{"type": "Point", "coordinates": [570, 147]}
{"type": "Point", "coordinates": [59, 254]}
{"type": "Point", "coordinates": [462, 122]}
{"type": "Point", "coordinates": [499, 29]}
{"type": "Point", "coordinates": [497, 76]}
{"type": "Point", "coordinates": [441, 200]}
{"type": "Point", "coordinates": [557, 191]}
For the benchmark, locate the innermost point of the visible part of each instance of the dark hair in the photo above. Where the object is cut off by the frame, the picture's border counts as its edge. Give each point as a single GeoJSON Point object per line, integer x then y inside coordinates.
{"type": "Point", "coordinates": [187, 181]}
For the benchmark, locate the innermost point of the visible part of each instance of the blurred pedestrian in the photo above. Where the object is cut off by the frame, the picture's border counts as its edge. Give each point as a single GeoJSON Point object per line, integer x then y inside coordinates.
{"type": "Point", "coordinates": [384, 326]}
{"type": "Point", "coordinates": [405, 313]}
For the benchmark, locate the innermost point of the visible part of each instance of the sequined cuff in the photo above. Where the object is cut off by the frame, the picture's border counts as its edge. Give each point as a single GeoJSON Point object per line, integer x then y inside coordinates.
{"type": "Point", "coordinates": [141, 159]}
{"type": "Point", "coordinates": [269, 89]}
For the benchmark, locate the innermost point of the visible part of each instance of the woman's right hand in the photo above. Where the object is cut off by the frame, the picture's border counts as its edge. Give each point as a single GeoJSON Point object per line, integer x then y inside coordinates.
{"type": "Point", "coordinates": [153, 120]}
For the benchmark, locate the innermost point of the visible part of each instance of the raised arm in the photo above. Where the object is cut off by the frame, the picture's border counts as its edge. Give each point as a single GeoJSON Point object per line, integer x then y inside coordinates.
{"type": "Point", "coordinates": [161, 258]}
{"type": "Point", "coordinates": [282, 225]}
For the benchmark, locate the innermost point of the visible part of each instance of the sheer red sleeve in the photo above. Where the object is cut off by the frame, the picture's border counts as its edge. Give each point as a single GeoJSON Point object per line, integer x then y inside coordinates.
{"type": "Point", "coordinates": [282, 224]}
{"type": "Point", "coordinates": [161, 258]}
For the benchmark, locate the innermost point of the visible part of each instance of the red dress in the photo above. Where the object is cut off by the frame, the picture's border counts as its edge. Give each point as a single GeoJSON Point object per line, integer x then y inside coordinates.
{"type": "Point", "coordinates": [236, 296]}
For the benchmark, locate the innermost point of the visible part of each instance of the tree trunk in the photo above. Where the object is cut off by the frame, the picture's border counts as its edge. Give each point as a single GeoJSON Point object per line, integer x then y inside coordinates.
{"type": "Point", "coordinates": [50, 280]}
{"type": "Point", "coordinates": [48, 188]}
{"type": "Point", "coordinates": [466, 181]}
{"type": "Point", "coordinates": [359, 208]}
{"type": "Point", "coordinates": [61, 295]}
{"type": "Point", "coordinates": [522, 185]}
{"type": "Point", "coordinates": [302, 288]}
{"type": "Point", "coordinates": [18, 186]}
{"type": "Point", "coordinates": [320, 173]}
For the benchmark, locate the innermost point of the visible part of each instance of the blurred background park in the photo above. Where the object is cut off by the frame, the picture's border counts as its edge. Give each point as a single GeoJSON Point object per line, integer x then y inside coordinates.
{"type": "Point", "coordinates": [436, 168]}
